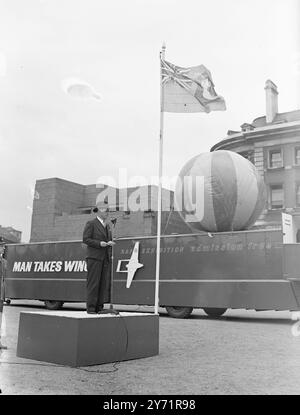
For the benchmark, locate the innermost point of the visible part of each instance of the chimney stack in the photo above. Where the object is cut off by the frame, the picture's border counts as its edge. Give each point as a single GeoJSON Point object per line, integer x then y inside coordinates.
{"type": "Point", "coordinates": [271, 101]}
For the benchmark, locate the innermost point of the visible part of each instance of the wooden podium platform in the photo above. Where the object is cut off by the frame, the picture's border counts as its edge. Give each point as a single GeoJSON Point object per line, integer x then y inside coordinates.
{"type": "Point", "coordinates": [75, 338]}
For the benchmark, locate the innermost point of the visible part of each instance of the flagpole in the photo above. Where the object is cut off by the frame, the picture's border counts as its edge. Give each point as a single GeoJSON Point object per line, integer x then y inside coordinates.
{"type": "Point", "coordinates": [159, 196]}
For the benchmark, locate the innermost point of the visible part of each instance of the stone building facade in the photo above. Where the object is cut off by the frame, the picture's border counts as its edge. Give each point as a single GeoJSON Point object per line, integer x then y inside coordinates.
{"type": "Point", "coordinates": [272, 144]}
{"type": "Point", "coordinates": [61, 208]}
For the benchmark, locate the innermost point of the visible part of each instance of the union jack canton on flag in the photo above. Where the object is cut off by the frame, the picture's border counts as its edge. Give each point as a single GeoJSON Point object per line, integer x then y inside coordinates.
{"type": "Point", "coordinates": [189, 89]}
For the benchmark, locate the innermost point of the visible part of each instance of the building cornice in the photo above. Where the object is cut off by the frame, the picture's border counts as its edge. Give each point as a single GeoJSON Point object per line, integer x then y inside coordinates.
{"type": "Point", "coordinates": [257, 134]}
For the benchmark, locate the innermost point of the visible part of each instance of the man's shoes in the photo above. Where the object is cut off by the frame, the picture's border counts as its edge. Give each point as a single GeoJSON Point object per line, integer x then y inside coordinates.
{"type": "Point", "coordinates": [99, 309]}
{"type": "Point", "coordinates": [113, 311]}
{"type": "Point", "coordinates": [91, 311]}
{"type": "Point", "coordinates": [109, 311]}
{"type": "Point", "coordinates": [102, 311]}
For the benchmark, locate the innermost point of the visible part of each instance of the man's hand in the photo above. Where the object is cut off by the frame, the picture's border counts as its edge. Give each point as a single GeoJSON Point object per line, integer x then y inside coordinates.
{"type": "Point", "coordinates": [111, 243]}
{"type": "Point", "coordinates": [103, 244]}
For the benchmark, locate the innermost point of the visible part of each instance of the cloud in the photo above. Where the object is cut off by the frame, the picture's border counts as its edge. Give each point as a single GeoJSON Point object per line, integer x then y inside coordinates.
{"type": "Point", "coordinates": [77, 88]}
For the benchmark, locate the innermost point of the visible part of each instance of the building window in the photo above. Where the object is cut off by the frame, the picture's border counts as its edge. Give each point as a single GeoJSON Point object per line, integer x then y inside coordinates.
{"type": "Point", "coordinates": [297, 156]}
{"type": "Point", "coordinates": [298, 195]}
{"type": "Point", "coordinates": [276, 196]}
{"type": "Point", "coordinates": [275, 158]}
{"type": "Point", "coordinates": [81, 211]}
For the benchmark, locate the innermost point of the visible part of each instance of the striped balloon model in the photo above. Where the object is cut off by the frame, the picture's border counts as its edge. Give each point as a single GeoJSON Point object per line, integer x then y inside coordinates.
{"type": "Point", "coordinates": [220, 191]}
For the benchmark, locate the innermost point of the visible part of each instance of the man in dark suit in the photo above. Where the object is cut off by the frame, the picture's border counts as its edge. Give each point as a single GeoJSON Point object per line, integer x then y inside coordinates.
{"type": "Point", "coordinates": [98, 238]}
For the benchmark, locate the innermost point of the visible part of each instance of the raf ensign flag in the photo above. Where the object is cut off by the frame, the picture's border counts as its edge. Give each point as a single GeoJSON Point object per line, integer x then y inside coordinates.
{"type": "Point", "coordinates": [189, 89]}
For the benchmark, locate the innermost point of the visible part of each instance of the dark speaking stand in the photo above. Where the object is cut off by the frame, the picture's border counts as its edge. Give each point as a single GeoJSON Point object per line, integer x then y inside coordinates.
{"type": "Point", "coordinates": [76, 338]}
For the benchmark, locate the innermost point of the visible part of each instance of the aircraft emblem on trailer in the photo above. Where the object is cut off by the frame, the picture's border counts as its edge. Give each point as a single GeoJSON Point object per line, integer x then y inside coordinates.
{"type": "Point", "coordinates": [132, 266]}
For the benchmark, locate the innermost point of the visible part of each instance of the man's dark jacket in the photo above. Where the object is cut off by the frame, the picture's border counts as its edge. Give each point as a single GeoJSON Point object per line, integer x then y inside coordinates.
{"type": "Point", "coordinates": [94, 232]}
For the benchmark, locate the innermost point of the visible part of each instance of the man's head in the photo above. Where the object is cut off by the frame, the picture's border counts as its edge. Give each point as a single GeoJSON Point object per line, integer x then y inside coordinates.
{"type": "Point", "coordinates": [102, 210]}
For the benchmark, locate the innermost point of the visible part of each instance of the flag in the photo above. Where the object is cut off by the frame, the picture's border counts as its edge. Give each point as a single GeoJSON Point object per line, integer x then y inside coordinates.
{"type": "Point", "coordinates": [189, 89]}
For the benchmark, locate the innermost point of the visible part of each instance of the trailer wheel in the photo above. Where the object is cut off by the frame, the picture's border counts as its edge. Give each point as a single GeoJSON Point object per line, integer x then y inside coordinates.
{"type": "Point", "coordinates": [7, 301]}
{"type": "Point", "coordinates": [179, 312]}
{"type": "Point", "coordinates": [214, 312]}
{"type": "Point", "coordinates": [53, 305]}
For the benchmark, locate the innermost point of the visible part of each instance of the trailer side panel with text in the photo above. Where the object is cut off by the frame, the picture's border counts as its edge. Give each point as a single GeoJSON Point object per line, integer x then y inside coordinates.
{"type": "Point", "coordinates": [246, 269]}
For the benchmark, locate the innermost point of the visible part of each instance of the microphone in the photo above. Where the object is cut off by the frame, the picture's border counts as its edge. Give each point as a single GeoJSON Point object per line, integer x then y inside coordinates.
{"type": "Point", "coordinates": [113, 221]}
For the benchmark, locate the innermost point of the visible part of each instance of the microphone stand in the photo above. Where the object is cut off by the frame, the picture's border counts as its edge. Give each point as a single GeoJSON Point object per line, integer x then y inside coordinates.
{"type": "Point", "coordinates": [111, 309]}
{"type": "Point", "coordinates": [2, 298]}
{"type": "Point", "coordinates": [111, 306]}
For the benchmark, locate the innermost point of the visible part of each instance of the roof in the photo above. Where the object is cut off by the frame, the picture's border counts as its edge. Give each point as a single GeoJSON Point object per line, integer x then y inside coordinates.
{"type": "Point", "coordinates": [260, 122]}
{"type": "Point", "coordinates": [9, 234]}
{"type": "Point", "coordinates": [279, 118]}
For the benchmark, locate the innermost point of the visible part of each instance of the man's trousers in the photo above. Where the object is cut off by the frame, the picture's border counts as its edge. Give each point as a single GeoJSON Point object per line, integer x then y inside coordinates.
{"type": "Point", "coordinates": [97, 283]}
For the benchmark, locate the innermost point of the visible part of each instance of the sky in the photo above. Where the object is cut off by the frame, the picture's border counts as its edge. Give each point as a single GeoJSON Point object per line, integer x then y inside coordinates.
{"type": "Point", "coordinates": [114, 46]}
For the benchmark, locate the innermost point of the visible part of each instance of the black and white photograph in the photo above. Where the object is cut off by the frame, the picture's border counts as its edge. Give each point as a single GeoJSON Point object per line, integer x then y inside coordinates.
{"type": "Point", "coordinates": [150, 201]}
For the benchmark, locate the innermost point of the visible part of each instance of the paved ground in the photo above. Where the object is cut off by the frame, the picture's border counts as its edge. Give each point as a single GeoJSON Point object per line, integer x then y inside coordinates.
{"type": "Point", "coordinates": [244, 352]}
